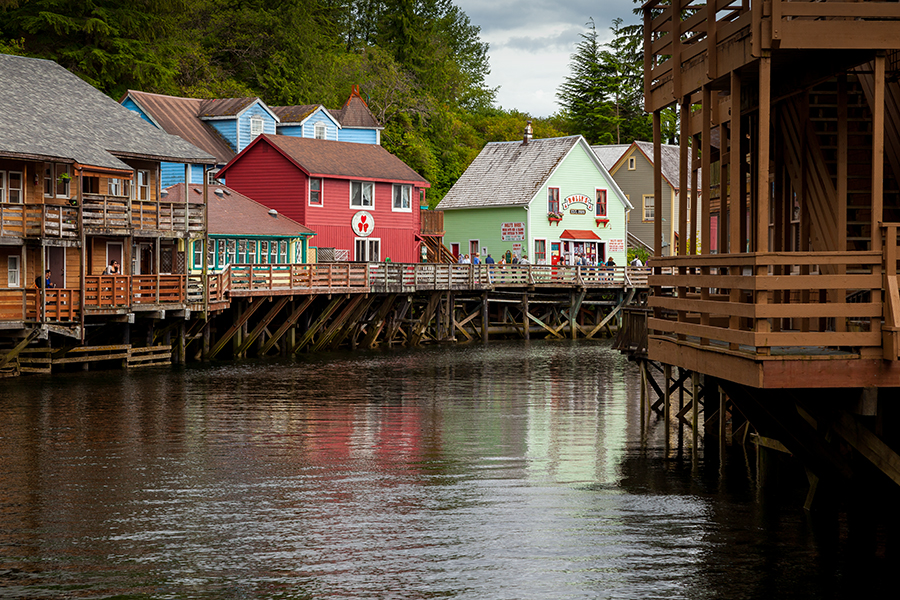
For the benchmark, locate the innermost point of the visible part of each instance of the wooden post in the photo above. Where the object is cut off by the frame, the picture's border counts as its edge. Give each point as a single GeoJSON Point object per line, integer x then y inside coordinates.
{"type": "Point", "coordinates": [667, 399]}
{"type": "Point", "coordinates": [695, 189]}
{"type": "Point", "coordinates": [485, 319]}
{"type": "Point", "coordinates": [878, 152]}
{"type": "Point", "coordinates": [657, 184]}
{"type": "Point", "coordinates": [706, 152]}
{"type": "Point", "coordinates": [683, 172]}
{"type": "Point", "coordinates": [526, 322]}
{"type": "Point", "coordinates": [735, 172]}
{"type": "Point", "coordinates": [695, 412]}
{"type": "Point", "coordinates": [762, 173]}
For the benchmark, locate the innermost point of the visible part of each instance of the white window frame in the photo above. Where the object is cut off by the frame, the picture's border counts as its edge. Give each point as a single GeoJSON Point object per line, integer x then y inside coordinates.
{"type": "Point", "coordinates": [14, 266]}
{"type": "Point", "coordinates": [648, 201]}
{"type": "Point", "coordinates": [320, 131]}
{"type": "Point", "coordinates": [398, 187]}
{"type": "Point", "coordinates": [198, 254]}
{"type": "Point", "coordinates": [3, 186]}
{"type": "Point", "coordinates": [309, 200]}
{"type": "Point", "coordinates": [143, 185]}
{"type": "Point", "coordinates": [632, 163]}
{"type": "Point", "coordinates": [52, 173]}
{"type": "Point", "coordinates": [257, 126]}
{"type": "Point", "coordinates": [283, 250]}
{"type": "Point", "coordinates": [367, 242]}
{"type": "Point", "coordinates": [536, 254]}
{"type": "Point", "coordinates": [231, 251]}
{"type": "Point", "coordinates": [118, 187]}
{"type": "Point", "coordinates": [362, 185]}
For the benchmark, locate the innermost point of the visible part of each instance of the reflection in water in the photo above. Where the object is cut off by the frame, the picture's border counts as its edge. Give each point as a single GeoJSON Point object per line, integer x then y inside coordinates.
{"type": "Point", "coordinates": [503, 471]}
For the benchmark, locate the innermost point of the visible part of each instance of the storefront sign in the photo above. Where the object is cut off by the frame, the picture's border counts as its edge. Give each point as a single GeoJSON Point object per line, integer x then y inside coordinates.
{"type": "Point", "coordinates": [363, 223]}
{"type": "Point", "coordinates": [578, 199]}
{"type": "Point", "coordinates": [617, 245]}
{"type": "Point", "coordinates": [512, 231]}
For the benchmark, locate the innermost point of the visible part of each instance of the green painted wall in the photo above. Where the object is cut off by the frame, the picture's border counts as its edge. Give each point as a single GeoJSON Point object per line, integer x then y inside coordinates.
{"type": "Point", "coordinates": [576, 175]}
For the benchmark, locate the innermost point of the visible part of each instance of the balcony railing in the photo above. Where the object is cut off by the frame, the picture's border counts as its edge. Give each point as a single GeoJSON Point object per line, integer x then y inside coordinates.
{"type": "Point", "coordinates": [167, 216]}
{"type": "Point", "coordinates": [39, 220]}
{"type": "Point", "coordinates": [105, 212]}
{"type": "Point", "coordinates": [762, 301]}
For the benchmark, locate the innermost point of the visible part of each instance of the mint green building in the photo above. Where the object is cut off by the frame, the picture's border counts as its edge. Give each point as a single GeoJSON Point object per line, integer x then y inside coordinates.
{"type": "Point", "coordinates": [550, 199]}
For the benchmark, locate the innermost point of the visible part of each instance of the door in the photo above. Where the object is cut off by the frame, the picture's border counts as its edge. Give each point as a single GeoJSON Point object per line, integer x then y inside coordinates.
{"type": "Point", "coordinates": [114, 253]}
{"type": "Point", "coordinates": [454, 249]}
{"type": "Point", "coordinates": [146, 265]}
{"type": "Point", "coordinates": [56, 262]}
{"type": "Point", "coordinates": [368, 250]}
{"type": "Point", "coordinates": [554, 253]}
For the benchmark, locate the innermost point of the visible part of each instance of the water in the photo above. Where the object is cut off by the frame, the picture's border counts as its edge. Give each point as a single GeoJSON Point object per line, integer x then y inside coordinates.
{"type": "Point", "coordinates": [506, 471]}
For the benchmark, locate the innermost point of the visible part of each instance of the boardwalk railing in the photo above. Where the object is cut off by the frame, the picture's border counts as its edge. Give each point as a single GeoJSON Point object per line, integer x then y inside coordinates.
{"type": "Point", "coordinates": [755, 302]}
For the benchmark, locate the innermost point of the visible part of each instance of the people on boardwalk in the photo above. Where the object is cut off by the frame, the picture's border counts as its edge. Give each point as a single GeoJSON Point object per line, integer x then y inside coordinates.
{"type": "Point", "coordinates": [464, 259]}
{"type": "Point", "coordinates": [636, 262]}
{"type": "Point", "coordinates": [476, 259]}
{"type": "Point", "coordinates": [524, 260]}
{"type": "Point", "coordinates": [489, 260]}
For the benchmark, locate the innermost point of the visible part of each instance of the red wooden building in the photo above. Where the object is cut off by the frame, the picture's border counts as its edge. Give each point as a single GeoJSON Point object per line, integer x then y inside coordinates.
{"type": "Point", "coordinates": [361, 200]}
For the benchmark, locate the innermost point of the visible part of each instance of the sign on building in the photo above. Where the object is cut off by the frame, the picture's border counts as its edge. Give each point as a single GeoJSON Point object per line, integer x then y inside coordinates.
{"type": "Point", "coordinates": [510, 232]}
{"type": "Point", "coordinates": [616, 245]}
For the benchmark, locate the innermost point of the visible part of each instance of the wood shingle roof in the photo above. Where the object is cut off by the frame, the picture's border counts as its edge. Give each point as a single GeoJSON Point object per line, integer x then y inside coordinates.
{"type": "Point", "coordinates": [51, 113]}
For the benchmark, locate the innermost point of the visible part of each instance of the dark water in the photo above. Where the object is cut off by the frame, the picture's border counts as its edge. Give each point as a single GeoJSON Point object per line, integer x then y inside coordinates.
{"type": "Point", "coordinates": [506, 471]}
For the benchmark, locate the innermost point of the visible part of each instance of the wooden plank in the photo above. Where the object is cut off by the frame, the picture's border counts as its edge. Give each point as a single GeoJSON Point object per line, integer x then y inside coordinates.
{"type": "Point", "coordinates": [771, 282]}
{"type": "Point", "coordinates": [868, 444]}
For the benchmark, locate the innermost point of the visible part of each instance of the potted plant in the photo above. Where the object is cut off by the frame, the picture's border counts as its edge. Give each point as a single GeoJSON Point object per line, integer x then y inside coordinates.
{"type": "Point", "coordinates": [64, 178]}
{"type": "Point", "coordinates": [554, 216]}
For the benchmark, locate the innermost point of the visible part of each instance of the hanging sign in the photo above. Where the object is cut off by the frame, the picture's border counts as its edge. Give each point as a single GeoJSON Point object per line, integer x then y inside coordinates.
{"type": "Point", "coordinates": [578, 199]}
{"type": "Point", "coordinates": [363, 223]}
{"type": "Point", "coordinates": [510, 232]}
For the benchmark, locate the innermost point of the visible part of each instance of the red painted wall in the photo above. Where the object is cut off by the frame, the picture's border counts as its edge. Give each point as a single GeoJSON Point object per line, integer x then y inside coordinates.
{"type": "Point", "coordinates": [263, 174]}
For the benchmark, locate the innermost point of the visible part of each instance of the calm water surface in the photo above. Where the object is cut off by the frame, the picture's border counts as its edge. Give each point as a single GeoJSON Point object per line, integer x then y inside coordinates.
{"type": "Point", "coordinates": [506, 471]}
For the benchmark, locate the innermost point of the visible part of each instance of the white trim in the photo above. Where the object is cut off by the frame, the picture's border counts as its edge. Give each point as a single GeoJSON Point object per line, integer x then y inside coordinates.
{"type": "Point", "coordinates": [321, 192]}
{"type": "Point", "coordinates": [632, 163]}
{"type": "Point", "coordinates": [245, 109]}
{"type": "Point", "coordinates": [366, 241]}
{"type": "Point", "coordinates": [327, 113]}
{"type": "Point", "coordinates": [362, 206]}
{"type": "Point", "coordinates": [395, 208]}
{"type": "Point", "coordinates": [17, 270]}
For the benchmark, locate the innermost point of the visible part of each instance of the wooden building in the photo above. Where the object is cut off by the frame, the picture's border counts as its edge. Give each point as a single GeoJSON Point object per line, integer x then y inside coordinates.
{"type": "Point", "coordinates": [242, 231]}
{"type": "Point", "coordinates": [632, 167]}
{"type": "Point", "coordinates": [797, 317]}
{"type": "Point", "coordinates": [360, 200]}
{"type": "Point", "coordinates": [79, 188]}
{"type": "Point", "coordinates": [550, 199]}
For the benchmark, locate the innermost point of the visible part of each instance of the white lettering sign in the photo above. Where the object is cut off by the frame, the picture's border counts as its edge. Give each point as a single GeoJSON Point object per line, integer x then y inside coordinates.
{"type": "Point", "coordinates": [510, 232]}
{"type": "Point", "coordinates": [617, 245]}
{"type": "Point", "coordinates": [578, 199]}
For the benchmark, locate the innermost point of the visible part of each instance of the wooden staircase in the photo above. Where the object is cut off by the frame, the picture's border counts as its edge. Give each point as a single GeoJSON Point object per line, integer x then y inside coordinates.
{"type": "Point", "coordinates": [437, 251]}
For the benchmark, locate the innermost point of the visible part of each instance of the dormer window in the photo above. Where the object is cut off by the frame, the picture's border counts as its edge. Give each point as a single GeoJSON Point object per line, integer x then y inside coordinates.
{"type": "Point", "coordinates": [256, 126]}
{"type": "Point", "coordinates": [320, 131]}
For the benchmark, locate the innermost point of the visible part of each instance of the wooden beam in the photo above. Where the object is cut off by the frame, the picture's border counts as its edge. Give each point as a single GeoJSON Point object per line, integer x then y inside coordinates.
{"type": "Point", "coordinates": [762, 185]}
{"type": "Point", "coordinates": [286, 324]}
{"type": "Point", "coordinates": [376, 325]}
{"type": "Point", "coordinates": [735, 171]}
{"type": "Point", "coordinates": [705, 169]}
{"type": "Point", "coordinates": [657, 184]}
{"type": "Point", "coordinates": [323, 317]}
{"type": "Point", "coordinates": [255, 333]}
{"type": "Point", "coordinates": [334, 328]}
{"type": "Point", "coordinates": [234, 329]}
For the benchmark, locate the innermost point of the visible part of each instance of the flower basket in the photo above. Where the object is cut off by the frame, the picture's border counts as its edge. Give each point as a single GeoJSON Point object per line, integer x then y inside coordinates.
{"type": "Point", "coordinates": [554, 217]}
{"type": "Point", "coordinates": [602, 221]}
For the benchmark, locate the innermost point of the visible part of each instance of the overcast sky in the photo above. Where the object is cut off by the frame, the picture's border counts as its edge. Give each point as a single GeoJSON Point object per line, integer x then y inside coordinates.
{"type": "Point", "coordinates": [532, 42]}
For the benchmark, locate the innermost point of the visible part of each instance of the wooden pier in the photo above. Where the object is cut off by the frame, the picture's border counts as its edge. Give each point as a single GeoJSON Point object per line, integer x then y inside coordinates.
{"type": "Point", "coordinates": [260, 310]}
{"type": "Point", "coordinates": [783, 299]}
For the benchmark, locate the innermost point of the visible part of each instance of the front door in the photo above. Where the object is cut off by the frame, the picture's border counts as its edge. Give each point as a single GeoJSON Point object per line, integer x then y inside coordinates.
{"type": "Point", "coordinates": [56, 262]}
{"type": "Point", "coordinates": [145, 264]}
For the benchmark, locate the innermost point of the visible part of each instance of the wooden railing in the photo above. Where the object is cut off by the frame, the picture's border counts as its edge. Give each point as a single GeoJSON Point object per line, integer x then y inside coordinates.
{"type": "Point", "coordinates": [108, 212]}
{"type": "Point", "coordinates": [167, 216]}
{"type": "Point", "coordinates": [696, 34]}
{"type": "Point", "coordinates": [39, 220]}
{"type": "Point", "coordinates": [431, 222]}
{"type": "Point", "coordinates": [759, 301]}
{"type": "Point", "coordinates": [12, 304]}
{"type": "Point", "coordinates": [158, 289]}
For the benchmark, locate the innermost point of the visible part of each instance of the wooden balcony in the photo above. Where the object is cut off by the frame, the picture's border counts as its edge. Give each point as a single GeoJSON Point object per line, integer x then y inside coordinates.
{"type": "Point", "coordinates": [770, 319]}
{"type": "Point", "coordinates": [709, 40]}
{"type": "Point", "coordinates": [171, 217]}
{"type": "Point", "coordinates": [105, 292]}
{"type": "Point", "coordinates": [105, 212]}
{"type": "Point", "coordinates": [39, 220]}
{"type": "Point", "coordinates": [431, 222]}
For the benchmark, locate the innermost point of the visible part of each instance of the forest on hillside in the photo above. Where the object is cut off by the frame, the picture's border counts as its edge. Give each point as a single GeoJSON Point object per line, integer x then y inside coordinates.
{"type": "Point", "coordinates": [420, 64]}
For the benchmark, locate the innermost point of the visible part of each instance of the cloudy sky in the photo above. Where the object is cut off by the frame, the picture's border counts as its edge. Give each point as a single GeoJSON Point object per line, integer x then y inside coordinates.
{"type": "Point", "coordinates": [532, 41]}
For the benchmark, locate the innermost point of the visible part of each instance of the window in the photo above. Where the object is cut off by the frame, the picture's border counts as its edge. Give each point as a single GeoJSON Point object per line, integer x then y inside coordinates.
{"type": "Point", "coordinates": [220, 254]}
{"type": "Point", "coordinates": [320, 131]}
{"type": "Point", "coordinates": [362, 194]}
{"type": "Point", "coordinates": [56, 180]}
{"type": "Point", "coordinates": [368, 250]}
{"type": "Point", "coordinates": [540, 252]}
{"type": "Point", "coordinates": [402, 197]}
{"type": "Point", "coordinates": [264, 252]}
{"type": "Point", "coordinates": [211, 176]}
{"type": "Point", "coordinates": [649, 207]}
{"type": "Point", "coordinates": [242, 252]}
{"type": "Point", "coordinates": [632, 163]}
{"type": "Point", "coordinates": [251, 251]}
{"type": "Point", "coordinates": [315, 191]}
{"type": "Point", "coordinates": [12, 271]}
{"type": "Point", "coordinates": [256, 126]}
{"type": "Point", "coordinates": [211, 254]}
{"type": "Point", "coordinates": [553, 200]}
{"type": "Point", "coordinates": [11, 187]}
{"type": "Point", "coordinates": [118, 187]}
{"type": "Point", "coordinates": [601, 203]}
{"type": "Point", "coordinates": [231, 249]}
{"type": "Point", "coordinates": [198, 254]}
{"type": "Point", "coordinates": [283, 252]}
{"type": "Point", "coordinates": [143, 185]}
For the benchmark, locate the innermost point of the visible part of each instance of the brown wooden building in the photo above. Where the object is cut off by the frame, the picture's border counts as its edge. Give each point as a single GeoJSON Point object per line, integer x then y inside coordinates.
{"type": "Point", "coordinates": [79, 188]}
{"type": "Point", "coordinates": [797, 317]}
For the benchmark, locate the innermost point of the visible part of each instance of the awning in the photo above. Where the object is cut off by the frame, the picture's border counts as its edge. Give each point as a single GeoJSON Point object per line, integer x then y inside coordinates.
{"type": "Point", "coordinates": [578, 234]}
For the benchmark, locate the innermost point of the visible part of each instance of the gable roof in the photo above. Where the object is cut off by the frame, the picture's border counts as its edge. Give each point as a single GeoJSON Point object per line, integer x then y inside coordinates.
{"type": "Point", "coordinates": [356, 113]}
{"type": "Point", "coordinates": [609, 155]}
{"type": "Point", "coordinates": [509, 173]}
{"type": "Point", "coordinates": [327, 158]}
{"type": "Point", "coordinates": [49, 112]}
{"type": "Point", "coordinates": [669, 162]}
{"type": "Point", "coordinates": [299, 114]}
{"type": "Point", "coordinates": [179, 116]}
{"type": "Point", "coordinates": [235, 214]}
